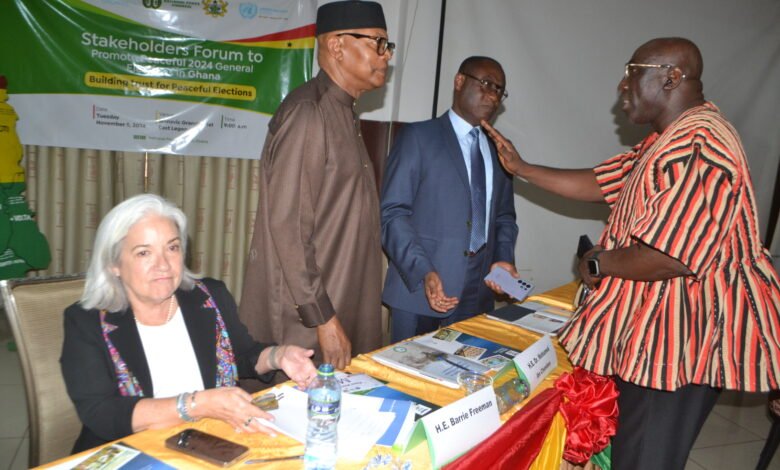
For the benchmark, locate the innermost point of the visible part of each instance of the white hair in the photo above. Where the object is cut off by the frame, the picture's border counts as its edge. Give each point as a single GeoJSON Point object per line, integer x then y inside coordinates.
{"type": "Point", "coordinates": [105, 291]}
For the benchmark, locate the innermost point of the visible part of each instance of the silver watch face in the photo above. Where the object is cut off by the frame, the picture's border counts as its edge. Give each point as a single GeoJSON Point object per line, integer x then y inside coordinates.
{"type": "Point", "coordinates": [593, 267]}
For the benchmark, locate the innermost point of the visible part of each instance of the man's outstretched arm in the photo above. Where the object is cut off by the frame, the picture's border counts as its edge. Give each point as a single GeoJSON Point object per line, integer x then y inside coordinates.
{"type": "Point", "coordinates": [579, 184]}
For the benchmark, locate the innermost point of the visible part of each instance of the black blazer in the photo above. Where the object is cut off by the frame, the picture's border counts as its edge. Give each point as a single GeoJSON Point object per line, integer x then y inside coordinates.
{"type": "Point", "coordinates": [89, 371]}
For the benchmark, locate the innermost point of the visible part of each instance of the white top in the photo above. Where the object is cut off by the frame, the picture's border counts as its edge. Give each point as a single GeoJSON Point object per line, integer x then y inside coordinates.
{"type": "Point", "coordinates": [172, 362]}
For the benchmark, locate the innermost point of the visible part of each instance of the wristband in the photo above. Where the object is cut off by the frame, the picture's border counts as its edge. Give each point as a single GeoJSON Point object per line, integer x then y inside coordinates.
{"type": "Point", "coordinates": [181, 407]}
{"type": "Point", "coordinates": [272, 358]}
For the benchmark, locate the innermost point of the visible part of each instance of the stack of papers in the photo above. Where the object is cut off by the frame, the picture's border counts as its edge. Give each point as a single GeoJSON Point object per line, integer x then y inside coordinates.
{"type": "Point", "coordinates": [407, 408]}
{"type": "Point", "coordinates": [362, 422]}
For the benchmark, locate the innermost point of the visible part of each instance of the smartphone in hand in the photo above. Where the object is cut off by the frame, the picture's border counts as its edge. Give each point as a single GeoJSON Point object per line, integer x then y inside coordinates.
{"type": "Point", "coordinates": [584, 245]}
{"type": "Point", "coordinates": [208, 447]}
{"type": "Point", "coordinates": [517, 288]}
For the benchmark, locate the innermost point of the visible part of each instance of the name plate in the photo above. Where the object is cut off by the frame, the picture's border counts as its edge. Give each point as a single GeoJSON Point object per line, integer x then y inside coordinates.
{"type": "Point", "coordinates": [454, 429]}
{"type": "Point", "coordinates": [537, 361]}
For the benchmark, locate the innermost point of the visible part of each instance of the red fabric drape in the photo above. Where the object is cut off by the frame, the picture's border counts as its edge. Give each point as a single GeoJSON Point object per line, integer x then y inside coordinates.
{"type": "Point", "coordinates": [590, 411]}
{"type": "Point", "coordinates": [515, 445]}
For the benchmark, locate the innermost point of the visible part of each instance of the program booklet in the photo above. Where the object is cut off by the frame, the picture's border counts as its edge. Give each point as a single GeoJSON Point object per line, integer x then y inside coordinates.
{"type": "Point", "coordinates": [533, 316]}
{"type": "Point", "coordinates": [440, 356]}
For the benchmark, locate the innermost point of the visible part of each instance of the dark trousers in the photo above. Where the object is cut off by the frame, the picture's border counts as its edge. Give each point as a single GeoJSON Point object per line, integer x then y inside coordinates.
{"type": "Point", "coordinates": [656, 429]}
{"type": "Point", "coordinates": [407, 324]}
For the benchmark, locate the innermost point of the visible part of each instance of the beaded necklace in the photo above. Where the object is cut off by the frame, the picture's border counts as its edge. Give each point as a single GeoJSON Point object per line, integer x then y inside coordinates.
{"type": "Point", "coordinates": [171, 311]}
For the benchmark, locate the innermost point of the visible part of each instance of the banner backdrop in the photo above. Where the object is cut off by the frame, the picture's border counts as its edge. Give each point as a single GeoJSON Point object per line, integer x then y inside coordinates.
{"type": "Point", "coordinates": [193, 77]}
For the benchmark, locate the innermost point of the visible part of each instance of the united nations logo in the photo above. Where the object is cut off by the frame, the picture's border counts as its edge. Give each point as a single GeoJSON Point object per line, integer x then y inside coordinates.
{"type": "Point", "coordinates": [215, 8]}
{"type": "Point", "coordinates": [247, 10]}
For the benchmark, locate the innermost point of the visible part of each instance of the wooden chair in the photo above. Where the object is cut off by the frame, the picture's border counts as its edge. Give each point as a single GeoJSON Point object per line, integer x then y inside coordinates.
{"type": "Point", "coordinates": [34, 307]}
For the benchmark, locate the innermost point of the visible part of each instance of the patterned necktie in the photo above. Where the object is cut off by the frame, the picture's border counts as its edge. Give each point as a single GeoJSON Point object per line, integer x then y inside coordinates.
{"type": "Point", "coordinates": [477, 194]}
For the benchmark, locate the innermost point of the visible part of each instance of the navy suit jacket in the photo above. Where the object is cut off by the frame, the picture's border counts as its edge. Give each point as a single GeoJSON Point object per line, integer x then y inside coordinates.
{"type": "Point", "coordinates": [426, 214]}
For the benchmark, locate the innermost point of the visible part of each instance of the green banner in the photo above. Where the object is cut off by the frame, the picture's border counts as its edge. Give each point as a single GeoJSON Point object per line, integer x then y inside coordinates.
{"type": "Point", "coordinates": [198, 77]}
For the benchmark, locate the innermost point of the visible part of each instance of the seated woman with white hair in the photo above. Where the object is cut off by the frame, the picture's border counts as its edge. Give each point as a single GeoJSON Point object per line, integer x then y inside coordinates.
{"type": "Point", "coordinates": [150, 345]}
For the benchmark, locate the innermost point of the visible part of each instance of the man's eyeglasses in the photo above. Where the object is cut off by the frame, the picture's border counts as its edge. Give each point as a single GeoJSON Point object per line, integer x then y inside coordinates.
{"type": "Point", "coordinates": [382, 44]}
{"type": "Point", "coordinates": [627, 71]}
{"type": "Point", "coordinates": [487, 85]}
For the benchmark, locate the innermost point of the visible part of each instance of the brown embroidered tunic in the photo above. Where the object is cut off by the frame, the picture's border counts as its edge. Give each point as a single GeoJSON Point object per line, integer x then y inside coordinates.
{"type": "Point", "coordinates": [316, 247]}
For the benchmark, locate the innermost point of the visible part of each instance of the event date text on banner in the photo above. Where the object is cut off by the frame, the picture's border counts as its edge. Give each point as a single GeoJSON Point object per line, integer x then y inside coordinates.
{"type": "Point", "coordinates": [189, 77]}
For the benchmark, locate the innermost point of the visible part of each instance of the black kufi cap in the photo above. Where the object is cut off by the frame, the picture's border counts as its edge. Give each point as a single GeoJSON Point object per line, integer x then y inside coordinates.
{"type": "Point", "coordinates": [349, 14]}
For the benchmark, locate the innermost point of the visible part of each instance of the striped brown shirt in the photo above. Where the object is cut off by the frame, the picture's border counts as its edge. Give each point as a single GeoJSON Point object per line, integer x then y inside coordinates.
{"type": "Point", "coordinates": [687, 193]}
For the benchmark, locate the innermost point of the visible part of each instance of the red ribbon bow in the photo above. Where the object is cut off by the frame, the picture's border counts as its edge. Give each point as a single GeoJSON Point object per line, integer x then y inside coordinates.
{"type": "Point", "coordinates": [590, 411]}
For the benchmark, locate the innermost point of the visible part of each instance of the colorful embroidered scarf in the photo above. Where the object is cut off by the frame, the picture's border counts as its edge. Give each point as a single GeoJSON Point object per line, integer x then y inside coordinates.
{"type": "Point", "coordinates": [227, 373]}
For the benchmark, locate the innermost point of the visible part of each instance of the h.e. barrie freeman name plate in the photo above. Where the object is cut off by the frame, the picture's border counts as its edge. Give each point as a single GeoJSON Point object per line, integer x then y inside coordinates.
{"type": "Point", "coordinates": [454, 429]}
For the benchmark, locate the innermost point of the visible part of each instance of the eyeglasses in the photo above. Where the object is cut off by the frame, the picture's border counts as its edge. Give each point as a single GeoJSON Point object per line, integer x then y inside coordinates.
{"type": "Point", "coordinates": [382, 44]}
{"type": "Point", "coordinates": [627, 71]}
{"type": "Point", "coordinates": [487, 85]}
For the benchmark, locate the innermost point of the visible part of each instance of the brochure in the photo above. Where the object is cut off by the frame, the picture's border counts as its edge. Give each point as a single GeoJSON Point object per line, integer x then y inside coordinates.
{"type": "Point", "coordinates": [480, 350]}
{"type": "Point", "coordinates": [406, 408]}
{"type": "Point", "coordinates": [420, 406]}
{"type": "Point", "coordinates": [440, 356]}
{"type": "Point", "coordinates": [120, 456]}
{"type": "Point", "coordinates": [402, 423]}
{"type": "Point", "coordinates": [533, 316]}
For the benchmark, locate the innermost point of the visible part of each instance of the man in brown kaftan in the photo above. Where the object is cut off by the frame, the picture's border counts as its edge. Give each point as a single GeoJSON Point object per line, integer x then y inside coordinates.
{"type": "Point", "coordinates": [314, 270]}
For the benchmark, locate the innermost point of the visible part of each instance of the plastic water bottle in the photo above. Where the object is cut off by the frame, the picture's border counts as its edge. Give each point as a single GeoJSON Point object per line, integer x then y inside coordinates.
{"type": "Point", "coordinates": [324, 412]}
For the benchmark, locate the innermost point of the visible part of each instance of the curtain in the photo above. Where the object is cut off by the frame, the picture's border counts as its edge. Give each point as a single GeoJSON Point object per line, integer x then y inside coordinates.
{"type": "Point", "coordinates": [70, 190]}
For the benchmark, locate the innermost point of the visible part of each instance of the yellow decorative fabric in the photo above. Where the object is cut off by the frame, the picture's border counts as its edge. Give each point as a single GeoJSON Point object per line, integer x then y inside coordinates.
{"type": "Point", "coordinates": [263, 446]}
{"type": "Point", "coordinates": [562, 297]}
{"type": "Point", "coordinates": [552, 449]}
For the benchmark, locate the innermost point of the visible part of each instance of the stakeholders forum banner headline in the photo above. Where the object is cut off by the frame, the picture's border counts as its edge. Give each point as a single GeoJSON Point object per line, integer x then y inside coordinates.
{"type": "Point", "coordinates": [190, 77]}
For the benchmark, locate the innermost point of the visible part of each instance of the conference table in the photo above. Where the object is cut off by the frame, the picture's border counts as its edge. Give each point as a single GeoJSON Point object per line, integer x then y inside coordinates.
{"type": "Point", "coordinates": [263, 446]}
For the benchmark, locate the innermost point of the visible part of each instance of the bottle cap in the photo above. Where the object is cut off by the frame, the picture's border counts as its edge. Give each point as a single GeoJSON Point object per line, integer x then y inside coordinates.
{"type": "Point", "coordinates": [325, 369]}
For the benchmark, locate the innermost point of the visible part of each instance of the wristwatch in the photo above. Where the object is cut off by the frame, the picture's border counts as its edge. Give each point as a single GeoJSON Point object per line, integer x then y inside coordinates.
{"type": "Point", "coordinates": [594, 269]}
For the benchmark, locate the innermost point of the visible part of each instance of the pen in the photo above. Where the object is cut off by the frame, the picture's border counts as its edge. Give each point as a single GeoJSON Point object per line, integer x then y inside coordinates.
{"type": "Point", "coordinates": [273, 459]}
{"type": "Point", "coordinates": [443, 357]}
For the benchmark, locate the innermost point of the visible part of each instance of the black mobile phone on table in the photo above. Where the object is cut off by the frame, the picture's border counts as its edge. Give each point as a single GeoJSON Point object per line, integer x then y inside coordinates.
{"type": "Point", "coordinates": [208, 447]}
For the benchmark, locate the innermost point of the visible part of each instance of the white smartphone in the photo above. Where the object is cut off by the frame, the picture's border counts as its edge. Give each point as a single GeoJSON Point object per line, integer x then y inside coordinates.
{"type": "Point", "coordinates": [517, 288]}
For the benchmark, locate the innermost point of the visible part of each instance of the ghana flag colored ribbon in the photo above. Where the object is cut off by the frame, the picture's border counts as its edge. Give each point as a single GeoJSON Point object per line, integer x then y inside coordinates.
{"type": "Point", "coordinates": [193, 77]}
{"type": "Point", "coordinates": [583, 403]}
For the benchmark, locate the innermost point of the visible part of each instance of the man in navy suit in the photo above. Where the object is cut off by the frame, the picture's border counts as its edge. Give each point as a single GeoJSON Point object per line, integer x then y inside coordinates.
{"type": "Point", "coordinates": [447, 207]}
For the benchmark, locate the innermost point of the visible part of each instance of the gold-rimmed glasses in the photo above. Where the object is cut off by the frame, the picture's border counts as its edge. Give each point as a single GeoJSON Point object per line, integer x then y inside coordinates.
{"type": "Point", "coordinates": [627, 71]}
{"type": "Point", "coordinates": [382, 44]}
{"type": "Point", "coordinates": [487, 85]}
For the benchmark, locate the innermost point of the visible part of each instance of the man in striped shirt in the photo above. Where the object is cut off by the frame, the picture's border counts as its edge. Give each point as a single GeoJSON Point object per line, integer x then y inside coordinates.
{"type": "Point", "coordinates": [684, 300]}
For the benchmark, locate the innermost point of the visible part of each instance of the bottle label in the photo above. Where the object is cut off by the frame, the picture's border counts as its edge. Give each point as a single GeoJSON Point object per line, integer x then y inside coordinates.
{"type": "Point", "coordinates": [324, 408]}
